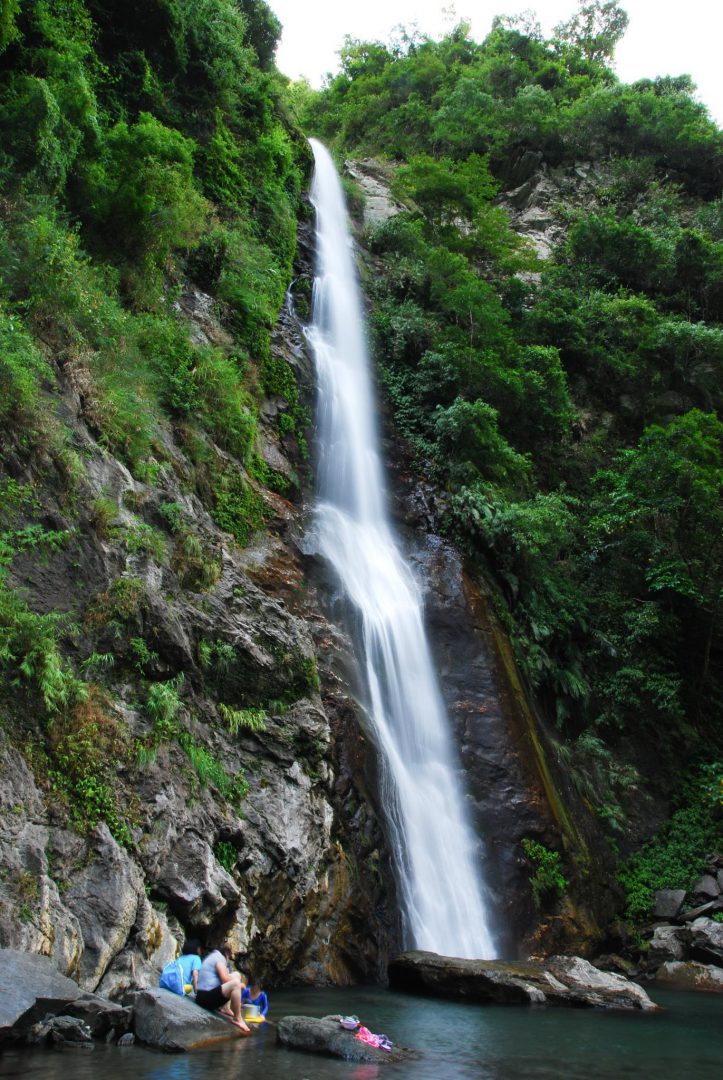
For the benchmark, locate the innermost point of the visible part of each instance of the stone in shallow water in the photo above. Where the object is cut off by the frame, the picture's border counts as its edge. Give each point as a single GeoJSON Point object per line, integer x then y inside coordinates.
{"type": "Point", "coordinates": [561, 980]}
{"type": "Point", "coordinates": [690, 975]}
{"type": "Point", "coordinates": [327, 1037]}
{"type": "Point", "coordinates": [170, 1022]}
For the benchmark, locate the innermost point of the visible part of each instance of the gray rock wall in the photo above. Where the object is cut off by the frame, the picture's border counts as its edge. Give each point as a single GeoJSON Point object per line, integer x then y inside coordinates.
{"type": "Point", "coordinates": [294, 873]}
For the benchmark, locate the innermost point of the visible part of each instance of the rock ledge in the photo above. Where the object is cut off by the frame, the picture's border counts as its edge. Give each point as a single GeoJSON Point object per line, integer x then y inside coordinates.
{"type": "Point", "coordinates": [561, 980]}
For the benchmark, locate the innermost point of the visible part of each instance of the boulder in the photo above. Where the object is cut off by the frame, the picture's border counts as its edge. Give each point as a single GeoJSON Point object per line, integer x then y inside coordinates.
{"type": "Point", "coordinates": [561, 980]}
{"type": "Point", "coordinates": [667, 943]}
{"type": "Point", "coordinates": [167, 1021]}
{"type": "Point", "coordinates": [690, 975]}
{"type": "Point", "coordinates": [34, 992]}
{"type": "Point", "coordinates": [32, 989]}
{"type": "Point", "coordinates": [704, 939]}
{"type": "Point", "coordinates": [707, 887]}
{"type": "Point", "coordinates": [668, 903]}
{"type": "Point", "coordinates": [104, 1018]}
{"type": "Point", "coordinates": [60, 1030]}
{"type": "Point", "coordinates": [327, 1037]}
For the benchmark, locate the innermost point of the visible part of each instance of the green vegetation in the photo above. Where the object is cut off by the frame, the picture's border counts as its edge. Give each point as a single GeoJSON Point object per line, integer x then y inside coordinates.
{"type": "Point", "coordinates": [243, 719]}
{"type": "Point", "coordinates": [141, 149]}
{"type": "Point", "coordinates": [226, 854]}
{"type": "Point", "coordinates": [568, 408]}
{"type": "Point", "coordinates": [548, 880]}
{"type": "Point", "coordinates": [676, 856]}
{"type": "Point", "coordinates": [164, 704]}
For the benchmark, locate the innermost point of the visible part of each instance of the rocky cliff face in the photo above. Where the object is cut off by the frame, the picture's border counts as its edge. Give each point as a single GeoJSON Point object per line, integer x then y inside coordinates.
{"type": "Point", "coordinates": [222, 761]}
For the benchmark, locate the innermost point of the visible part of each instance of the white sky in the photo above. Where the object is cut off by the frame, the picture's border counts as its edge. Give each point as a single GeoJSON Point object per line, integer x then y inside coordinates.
{"type": "Point", "coordinates": [664, 37]}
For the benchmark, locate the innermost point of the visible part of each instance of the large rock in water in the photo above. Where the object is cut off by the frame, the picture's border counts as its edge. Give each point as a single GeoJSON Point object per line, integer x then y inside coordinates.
{"type": "Point", "coordinates": [561, 980]}
{"type": "Point", "coordinates": [167, 1021]}
{"type": "Point", "coordinates": [33, 989]}
{"type": "Point", "coordinates": [690, 975]}
{"type": "Point", "coordinates": [328, 1038]}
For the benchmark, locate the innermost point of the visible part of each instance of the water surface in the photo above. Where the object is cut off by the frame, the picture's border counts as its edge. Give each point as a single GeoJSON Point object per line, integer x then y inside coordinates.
{"type": "Point", "coordinates": [456, 1042]}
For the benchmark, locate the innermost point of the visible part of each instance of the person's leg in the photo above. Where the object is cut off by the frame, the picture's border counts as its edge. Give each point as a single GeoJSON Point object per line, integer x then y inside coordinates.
{"type": "Point", "coordinates": [232, 992]}
{"type": "Point", "coordinates": [235, 980]}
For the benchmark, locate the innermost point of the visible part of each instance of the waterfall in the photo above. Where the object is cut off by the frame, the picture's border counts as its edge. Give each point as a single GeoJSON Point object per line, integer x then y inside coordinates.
{"type": "Point", "coordinates": [436, 852]}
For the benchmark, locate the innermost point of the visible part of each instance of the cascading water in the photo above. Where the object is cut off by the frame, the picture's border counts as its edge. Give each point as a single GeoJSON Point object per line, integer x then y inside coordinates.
{"type": "Point", "coordinates": [436, 852]}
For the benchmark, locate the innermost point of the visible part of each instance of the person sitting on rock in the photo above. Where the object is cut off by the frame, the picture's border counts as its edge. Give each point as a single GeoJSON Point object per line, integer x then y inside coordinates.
{"type": "Point", "coordinates": [254, 994]}
{"type": "Point", "coordinates": [190, 961]}
{"type": "Point", "coordinates": [219, 988]}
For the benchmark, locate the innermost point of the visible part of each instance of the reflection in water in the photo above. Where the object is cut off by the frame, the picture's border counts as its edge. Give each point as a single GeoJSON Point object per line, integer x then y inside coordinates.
{"type": "Point", "coordinates": [366, 1072]}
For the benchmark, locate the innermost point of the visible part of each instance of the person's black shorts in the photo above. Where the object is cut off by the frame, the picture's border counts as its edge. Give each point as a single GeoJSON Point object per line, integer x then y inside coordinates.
{"type": "Point", "coordinates": [211, 999]}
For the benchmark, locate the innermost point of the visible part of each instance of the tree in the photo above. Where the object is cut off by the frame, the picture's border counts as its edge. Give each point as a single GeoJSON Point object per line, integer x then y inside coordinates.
{"type": "Point", "coordinates": [595, 29]}
{"type": "Point", "coordinates": [661, 524]}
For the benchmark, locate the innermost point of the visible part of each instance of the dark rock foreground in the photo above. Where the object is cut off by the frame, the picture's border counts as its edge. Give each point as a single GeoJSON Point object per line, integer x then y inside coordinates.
{"type": "Point", "coordinates": [34, 990]}
{"type": "Point", "coordinates": [327, 1037]}
{"type": "Point", "coordinates": [560, 980]}
{"type": "Point", "coordinates": [39, 1005]}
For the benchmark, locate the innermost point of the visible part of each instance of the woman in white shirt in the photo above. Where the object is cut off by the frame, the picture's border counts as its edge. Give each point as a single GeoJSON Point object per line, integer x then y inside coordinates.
{"type": "Point", "coordinates": [220, 988]}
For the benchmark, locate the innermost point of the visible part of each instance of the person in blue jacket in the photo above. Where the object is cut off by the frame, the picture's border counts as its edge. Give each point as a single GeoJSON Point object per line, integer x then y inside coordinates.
{"type": "Point", "coordinates": [190, 961]}
{"type": "Point", "coordinates": [254, 994]}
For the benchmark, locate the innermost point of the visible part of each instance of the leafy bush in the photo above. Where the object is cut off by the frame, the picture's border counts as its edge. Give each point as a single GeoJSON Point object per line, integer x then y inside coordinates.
{"type": "Point", "coordinates": [675, 857]}
{"type": "Point", "coordinates": [547, 881]}
{"type": "Point", "coordinates": [84, 750]}
{"type": "Point", "coordinates": [239, 509]}
{"type": "Point", "coordinates": [243, 719]}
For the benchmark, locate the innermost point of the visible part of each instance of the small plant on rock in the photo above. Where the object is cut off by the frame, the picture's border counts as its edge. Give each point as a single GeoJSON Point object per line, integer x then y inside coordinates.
{"type": "Point", "coordinates": [548, 880]}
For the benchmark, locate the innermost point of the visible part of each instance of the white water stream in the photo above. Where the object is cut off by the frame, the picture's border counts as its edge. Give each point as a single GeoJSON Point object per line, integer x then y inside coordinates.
{"type": "Point", "coordinates": [436, 851]}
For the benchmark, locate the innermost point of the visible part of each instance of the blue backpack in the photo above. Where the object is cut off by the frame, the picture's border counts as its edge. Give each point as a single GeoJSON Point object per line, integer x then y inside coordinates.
{"type": "Point", "coordinates": [172, 978]}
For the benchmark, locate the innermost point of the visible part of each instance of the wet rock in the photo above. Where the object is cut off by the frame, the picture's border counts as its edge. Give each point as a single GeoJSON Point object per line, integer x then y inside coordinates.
{"type": "Point", "coordinates": [561, 980]}
{"type": "Point", "coordinates": [100, 1015]}
{"type": "Point", "coordinates": [513, 789]}
{"type": "Point", "coordinates": [328, 1038]}
{"type": "Point", "coordinates": [127, 1040]}
{"type": "Point", "coordinates": [172, 1023]}
{"type": "Point", "coordinates": [690, 975]}
{"type": "Point", "coordinates": [32, 989]}
{"type": "Point", "coordinates": [668, 903]}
